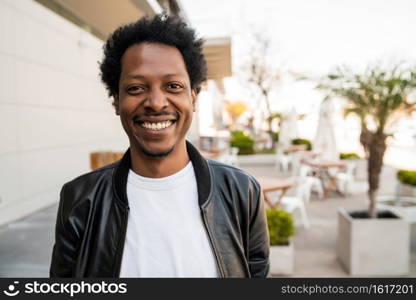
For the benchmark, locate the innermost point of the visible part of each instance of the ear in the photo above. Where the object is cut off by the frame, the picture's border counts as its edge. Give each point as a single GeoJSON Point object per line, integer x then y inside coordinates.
{"type": "Point", "coordinates": [116, 104]}
{"type": "Point", "coordinates": [194, 98]}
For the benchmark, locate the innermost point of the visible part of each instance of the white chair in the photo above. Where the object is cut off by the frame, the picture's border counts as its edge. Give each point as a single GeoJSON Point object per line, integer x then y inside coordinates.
{"type": "Point", "coordinates": [229, 156]}
{"type": "Point", "coordinates": [292, 203]}
{"type": "Point", "coordinates": [309, 183]}
{"type": "Point", "coordinates": [295, 162]}
{"type": "Point", "coordinates": [346, 178]}
{"type": "Point", "coordinates": [233, 156]}
{"type": "Point", "coordinates": [282, 160]}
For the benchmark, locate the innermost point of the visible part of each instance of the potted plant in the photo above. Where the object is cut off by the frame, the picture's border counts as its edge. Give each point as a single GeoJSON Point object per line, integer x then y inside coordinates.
{"type": "Point", "coordinates": [305, 142]}
{"type": "Point", "coordinates": [281, 229]}
{"type": "Point", "coordinates": [351, 155]}
{"type": "Point", "coordinates": [243, 142]}
{"type": "Point", "coordinates": [374, 242]}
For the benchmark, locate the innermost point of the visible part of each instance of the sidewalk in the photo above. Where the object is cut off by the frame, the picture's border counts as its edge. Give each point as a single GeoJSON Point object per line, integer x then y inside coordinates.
{"type": "Point", "coordinates": [26, 245]}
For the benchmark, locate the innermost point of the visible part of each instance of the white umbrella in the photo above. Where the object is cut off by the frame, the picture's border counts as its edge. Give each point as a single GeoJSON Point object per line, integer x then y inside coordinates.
{"type": "Point", "coordinates": [325, 143]}
{"type": "Point", "coordinates": [288, 129]}
{"type": "Point", "coordinates": [293, 125]}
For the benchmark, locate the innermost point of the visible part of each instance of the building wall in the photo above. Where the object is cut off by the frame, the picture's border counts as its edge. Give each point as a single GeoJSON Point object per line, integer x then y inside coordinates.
{"type": "Point", "coordinates": [54, 110]}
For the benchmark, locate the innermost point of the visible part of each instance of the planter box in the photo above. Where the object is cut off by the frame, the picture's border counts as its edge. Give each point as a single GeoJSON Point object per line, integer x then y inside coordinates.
{"type": "Point", "coordinates": [378, 247]}
{"type": "Point", "coordinates": [282, 259]}
{"type": "Point", "coordinates": [405, 207]}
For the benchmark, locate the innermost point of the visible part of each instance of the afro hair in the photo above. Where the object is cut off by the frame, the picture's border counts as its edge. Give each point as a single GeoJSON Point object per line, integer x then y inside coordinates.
{"type": "Point", "coordinates": [162, 29]}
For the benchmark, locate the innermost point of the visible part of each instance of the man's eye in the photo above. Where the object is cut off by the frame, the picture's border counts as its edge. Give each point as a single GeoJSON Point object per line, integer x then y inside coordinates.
{"type": "Point", "coordinates": [174, 86]}
{"type": "Point", "coordinates": [134, 89]}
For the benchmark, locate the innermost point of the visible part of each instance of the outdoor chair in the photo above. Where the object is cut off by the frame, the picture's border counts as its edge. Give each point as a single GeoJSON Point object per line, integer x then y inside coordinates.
{"type": "Point", "coordinates": [293, 203]}
{"type": "Point", "coordinates": [309, 183]}
{"type": "Point", "coordinates": [346, 178]}
{"type": "Point", "coordinates": [282, 161]}
{"type": "Point", "coordinates": [233, 156]}
{"type": "Point", "coordinates": [229, 157]}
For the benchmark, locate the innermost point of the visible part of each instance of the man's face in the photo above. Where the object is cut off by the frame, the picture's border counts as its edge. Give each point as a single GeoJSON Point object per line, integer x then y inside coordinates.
{"type": "Point", "coordinates": [155, 98]}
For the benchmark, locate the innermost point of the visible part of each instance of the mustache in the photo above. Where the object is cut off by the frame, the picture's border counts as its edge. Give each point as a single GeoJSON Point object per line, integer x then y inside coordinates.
{"type": "Point", "coordinates": [158, 114]}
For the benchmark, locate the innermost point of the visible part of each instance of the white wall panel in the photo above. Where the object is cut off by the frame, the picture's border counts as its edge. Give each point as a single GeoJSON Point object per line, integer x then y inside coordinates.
{"type": "Point", "coordinates": [32, 41]}
{"type": "Point", "coordinates": [7, 78]}
{"type": "Point", "coordinates": [7, 29]}
{"type": "Point", "coordinates": [54, 109]}
{"type": "Point", "coordinates": [32, 82]}
{"type": "Point", "coordinates": [8, 134]}
{"type": "Point", "coordinates": [10, 188]}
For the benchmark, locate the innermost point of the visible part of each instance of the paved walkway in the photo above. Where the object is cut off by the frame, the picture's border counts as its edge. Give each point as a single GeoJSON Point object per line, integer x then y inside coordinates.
{"type": "Point", "coordinates": [26, 245]}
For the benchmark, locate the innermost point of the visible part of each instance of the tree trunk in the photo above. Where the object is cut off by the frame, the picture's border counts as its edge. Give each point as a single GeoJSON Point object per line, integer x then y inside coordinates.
{"type": "Point", "coordinates": [269, 118]}
{"type": "Point", "coordinates": [365, 139]}
{"type": "Point", "coordinates": [270, 122]}
{"type": "Point", "coordinates": [376, 149]}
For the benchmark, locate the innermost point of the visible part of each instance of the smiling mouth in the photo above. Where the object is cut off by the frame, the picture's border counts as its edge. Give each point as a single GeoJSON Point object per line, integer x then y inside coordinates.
{"type": "Point", "coordinates": [156, 126]}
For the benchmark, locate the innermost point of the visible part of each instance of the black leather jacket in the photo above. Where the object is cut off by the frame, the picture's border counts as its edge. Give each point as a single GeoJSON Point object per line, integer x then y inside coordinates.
{"type": "Point", "coordinates": [93, 212]}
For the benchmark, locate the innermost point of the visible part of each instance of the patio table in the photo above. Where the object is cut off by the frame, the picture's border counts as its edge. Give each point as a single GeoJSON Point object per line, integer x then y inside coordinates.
{"type": "Point", "coordinates": [323, 173]}
{"type": "Point", "coordinates": [307, 154]}
{"type": "Point", "coordinates": [295, 148]}
{"type": "Point", "coordinates": [272, 184]}
{"type": "Point", "coordinates": [213, 153]}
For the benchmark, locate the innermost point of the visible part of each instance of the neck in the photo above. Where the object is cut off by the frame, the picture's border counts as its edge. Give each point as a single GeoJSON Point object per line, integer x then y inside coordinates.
{"type": "Point", "coordinates": [159, 167]}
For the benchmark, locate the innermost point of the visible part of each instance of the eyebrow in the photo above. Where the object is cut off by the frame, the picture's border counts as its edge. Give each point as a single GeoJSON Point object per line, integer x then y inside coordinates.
{"type": "Point", "coordinates": [138, 76]}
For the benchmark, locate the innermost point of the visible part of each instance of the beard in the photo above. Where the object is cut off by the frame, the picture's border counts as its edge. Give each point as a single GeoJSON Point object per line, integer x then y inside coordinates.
{"type": "Point", "coordinates": [156, 154]}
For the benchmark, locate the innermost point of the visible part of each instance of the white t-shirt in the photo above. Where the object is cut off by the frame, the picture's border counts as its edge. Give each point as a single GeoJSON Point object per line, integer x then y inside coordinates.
{"type": "Point", "coordinates": [165, 232]}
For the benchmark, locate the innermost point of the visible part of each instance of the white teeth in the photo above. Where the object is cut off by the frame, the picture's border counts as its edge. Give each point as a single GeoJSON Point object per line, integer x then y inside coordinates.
{"type": "Point", "coordinates": [156, 126]}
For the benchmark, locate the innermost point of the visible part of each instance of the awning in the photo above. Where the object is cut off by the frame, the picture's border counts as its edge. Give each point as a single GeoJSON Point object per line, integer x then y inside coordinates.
{"type": "Point", "coordinates": [101, 17]}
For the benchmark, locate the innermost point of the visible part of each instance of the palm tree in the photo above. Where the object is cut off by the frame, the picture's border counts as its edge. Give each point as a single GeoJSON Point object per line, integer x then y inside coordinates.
{"type": "Point", "coordinates": [379, 97]}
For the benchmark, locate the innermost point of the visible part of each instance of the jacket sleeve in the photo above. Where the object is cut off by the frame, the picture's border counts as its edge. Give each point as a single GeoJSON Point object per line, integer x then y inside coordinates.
{"type": "Point", "coordinates": [64, 251]}
{"type": "Point", "coordinates": [259, 244]}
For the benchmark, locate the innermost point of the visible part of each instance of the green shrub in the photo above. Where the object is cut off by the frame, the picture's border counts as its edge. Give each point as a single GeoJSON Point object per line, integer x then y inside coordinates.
{"type": "Point", "coordinates": [281, 226]}
{"type": "Point", "coordinates": [243, 142]}
{"type": "Point", "coordinates": [407, 177]}
{"type": "Point", "coordinates": [351, 155]}
{"type": "Point", "coordinates": [303, 142]}
{"type": "Point", "coordinates": [276, 136]}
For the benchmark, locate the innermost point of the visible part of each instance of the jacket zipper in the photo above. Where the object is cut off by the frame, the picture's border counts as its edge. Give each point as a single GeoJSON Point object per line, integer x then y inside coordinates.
{"type": "Point", "coordinates": [122, 242]}
{"type": "Point", "coordinates": [214, 250]}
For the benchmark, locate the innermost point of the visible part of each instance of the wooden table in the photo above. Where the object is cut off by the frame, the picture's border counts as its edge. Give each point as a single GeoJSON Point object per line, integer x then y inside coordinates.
{"type": "Point", "coordinates": [213, 153]}
{"type": "Point", "coordinates": [272, 184]}
{"type": "Point", "coordinates": [307, 154]}
{"type": "Point", "coordinates": [323, 173]}
{"type": "Point", "coordinates": [295, 148]}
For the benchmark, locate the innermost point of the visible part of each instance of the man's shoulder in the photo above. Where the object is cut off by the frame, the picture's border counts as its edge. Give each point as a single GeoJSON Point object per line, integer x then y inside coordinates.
{"type": "Point", "coordinates": [89, 180]}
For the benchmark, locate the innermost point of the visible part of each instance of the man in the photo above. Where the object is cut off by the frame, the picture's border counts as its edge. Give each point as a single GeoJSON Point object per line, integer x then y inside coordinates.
{"type": "Point", "coordinates": [162, 210]}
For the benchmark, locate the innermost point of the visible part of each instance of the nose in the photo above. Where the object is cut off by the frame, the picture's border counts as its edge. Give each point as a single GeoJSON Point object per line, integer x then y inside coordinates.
{"type": "Point", "coordinates": [157, 100]}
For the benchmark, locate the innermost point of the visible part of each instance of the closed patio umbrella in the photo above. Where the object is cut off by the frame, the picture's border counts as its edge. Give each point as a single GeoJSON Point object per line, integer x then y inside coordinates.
{"type": "Point", "coordinates": [325, 143]}
{"type": "Point", "coordinates": [288, 129]}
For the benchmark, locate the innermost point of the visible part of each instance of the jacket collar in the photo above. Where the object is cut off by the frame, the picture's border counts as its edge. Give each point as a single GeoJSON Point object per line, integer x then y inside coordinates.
{"type": "Point", "coordinates": [201, 168]}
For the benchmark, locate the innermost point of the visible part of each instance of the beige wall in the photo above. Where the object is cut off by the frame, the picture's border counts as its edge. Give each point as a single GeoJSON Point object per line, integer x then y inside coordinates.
{"type": "Point", "coordinates": [53, 108]}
